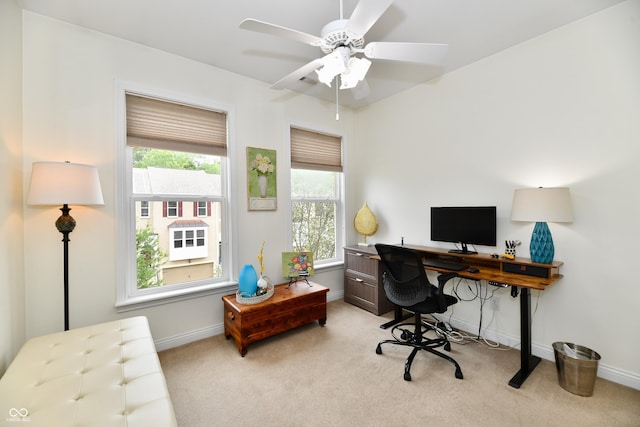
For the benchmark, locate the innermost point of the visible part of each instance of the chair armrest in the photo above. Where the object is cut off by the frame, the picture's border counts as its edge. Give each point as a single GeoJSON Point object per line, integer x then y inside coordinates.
{"type": "Point", "coordinates": [440, 297]}
{"type": "Point", "coordinates": [444, 278]}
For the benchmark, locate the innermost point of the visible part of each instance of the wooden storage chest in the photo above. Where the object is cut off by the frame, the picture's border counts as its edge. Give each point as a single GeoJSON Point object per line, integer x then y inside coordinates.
{"type": "Point", "coordinates": [289, 307]}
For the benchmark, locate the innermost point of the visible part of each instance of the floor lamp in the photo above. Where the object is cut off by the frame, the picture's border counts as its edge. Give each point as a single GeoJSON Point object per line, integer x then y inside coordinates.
{"type": "Point", "coordinates": [542, 205]}
{"type": "Point", "coordinates": [56, 183]}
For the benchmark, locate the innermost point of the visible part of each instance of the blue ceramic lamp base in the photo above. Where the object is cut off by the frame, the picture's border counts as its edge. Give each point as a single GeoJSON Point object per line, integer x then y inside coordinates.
{"type": "Point", "coordinates": [541, 246]}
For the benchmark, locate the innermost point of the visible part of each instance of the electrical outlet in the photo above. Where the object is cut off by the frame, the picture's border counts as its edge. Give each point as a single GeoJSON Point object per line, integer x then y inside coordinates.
{"type": "Point", "coordinates": [495, 304]}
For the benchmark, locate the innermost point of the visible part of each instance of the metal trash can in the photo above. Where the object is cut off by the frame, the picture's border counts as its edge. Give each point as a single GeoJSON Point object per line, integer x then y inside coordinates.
{"type": "Point", "coordinates": [577, 367]}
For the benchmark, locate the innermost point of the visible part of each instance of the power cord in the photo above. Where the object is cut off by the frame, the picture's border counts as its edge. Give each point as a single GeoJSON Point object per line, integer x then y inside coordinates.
{"type": "Point", "coordinates": [472, 291]}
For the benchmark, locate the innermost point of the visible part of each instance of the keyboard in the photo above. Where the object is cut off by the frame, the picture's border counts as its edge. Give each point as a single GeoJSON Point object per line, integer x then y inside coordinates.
{"type": "Point", "coordinates": [453, 266]}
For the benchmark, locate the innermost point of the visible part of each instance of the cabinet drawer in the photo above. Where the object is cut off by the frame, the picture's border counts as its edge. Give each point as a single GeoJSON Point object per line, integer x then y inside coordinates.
{"type": "Point", "coordinates": [361, 293]}
{"type": "Point", "coordinates": [361, 263]}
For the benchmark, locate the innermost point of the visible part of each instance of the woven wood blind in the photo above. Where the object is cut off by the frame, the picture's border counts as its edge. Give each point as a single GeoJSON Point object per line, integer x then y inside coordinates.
{"type": "Point", "coordinates": [313, 150]}
{"type": "Point", "coordinates": [170, 126]}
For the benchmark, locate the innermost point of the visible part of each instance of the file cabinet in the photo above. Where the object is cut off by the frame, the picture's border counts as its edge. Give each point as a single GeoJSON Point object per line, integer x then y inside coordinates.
{"type": "Point", "coordinates": [363, 280]}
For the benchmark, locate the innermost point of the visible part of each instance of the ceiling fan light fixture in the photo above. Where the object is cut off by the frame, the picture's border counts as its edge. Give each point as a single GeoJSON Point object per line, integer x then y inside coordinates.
{"type": "Point", "coordinates": [333, 64]}
{"type": "Point", "coordinates": [355, 72]}
{"type": "Point", "coordinates": [341, 40]}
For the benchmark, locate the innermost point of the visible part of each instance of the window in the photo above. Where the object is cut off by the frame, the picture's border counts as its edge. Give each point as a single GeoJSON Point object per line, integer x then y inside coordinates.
{"type": "Point", "coordinates": [201, 209]}
{"type": "Point", "coordinates": [172, 210]}
{"type": "Point", "coordinates": [317, 218]}
{"type": "Point", "coordinates": [190, 242]}
{"type": "Point", "coordinates": [144, 209]}
{"type": "Point", "coordinates": [173, 162]}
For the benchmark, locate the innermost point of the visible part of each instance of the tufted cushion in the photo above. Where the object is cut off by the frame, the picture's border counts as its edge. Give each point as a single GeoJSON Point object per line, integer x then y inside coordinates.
{"type": "Point", "coordinates": [102, 375]}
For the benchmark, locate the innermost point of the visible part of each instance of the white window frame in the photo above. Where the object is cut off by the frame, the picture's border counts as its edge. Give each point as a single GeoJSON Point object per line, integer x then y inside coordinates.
{"type": "Point", "coordinates": [128, 296]}
{"type": "Point", "coordinates": [145, 209]}
{"type": "Point", "coordinates": [205, 207]}
{"type": "Point", "coordinates": [171, 207]}
{"type": "Point", "coordinates": [338, 260]}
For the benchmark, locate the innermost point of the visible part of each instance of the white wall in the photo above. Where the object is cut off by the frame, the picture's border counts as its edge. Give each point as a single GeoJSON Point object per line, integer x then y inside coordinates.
{"type": "Point", "coordinates": [69, 75]}
{"type": "Point", "coordinates": [12, 320]}
{"type": "Point", "coordinates": [560, 110]}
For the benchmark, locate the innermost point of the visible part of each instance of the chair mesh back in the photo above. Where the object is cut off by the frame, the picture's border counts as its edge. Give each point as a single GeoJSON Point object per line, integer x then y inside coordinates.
{"type": "Point", "coordinates": [405, 281]}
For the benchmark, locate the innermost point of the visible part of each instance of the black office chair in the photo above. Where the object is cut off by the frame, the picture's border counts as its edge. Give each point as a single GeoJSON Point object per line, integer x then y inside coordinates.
{"type": "Point", "coordinates": [406, 284]}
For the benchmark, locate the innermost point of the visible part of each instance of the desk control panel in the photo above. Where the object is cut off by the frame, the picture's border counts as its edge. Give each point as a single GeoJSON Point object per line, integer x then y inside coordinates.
{"type": "Point", "coordinates": [498, 284]}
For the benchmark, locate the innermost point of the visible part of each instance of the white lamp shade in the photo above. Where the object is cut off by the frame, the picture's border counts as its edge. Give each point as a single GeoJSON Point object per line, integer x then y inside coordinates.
{"type": "Point", "coordinates": [542, 205]}
{"type": "Point", "coordinates": [56, 183]}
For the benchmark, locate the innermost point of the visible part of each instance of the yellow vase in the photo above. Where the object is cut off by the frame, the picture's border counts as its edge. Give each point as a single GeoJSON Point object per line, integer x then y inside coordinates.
{"type": "Point", "coordinates": [365, 223]}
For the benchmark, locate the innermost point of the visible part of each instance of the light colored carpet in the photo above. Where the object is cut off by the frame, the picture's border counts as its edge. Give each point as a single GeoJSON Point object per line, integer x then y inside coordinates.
{"type": "Point", "coordinates": [331, 376]}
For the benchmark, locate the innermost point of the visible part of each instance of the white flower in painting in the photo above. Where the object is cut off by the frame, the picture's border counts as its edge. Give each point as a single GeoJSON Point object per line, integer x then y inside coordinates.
{"type": "Point", "coordinates": [262, 165]}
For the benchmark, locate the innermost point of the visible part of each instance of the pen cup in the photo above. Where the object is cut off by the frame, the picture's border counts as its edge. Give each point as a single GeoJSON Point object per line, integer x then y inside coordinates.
{"type": "Point", "coordinates": [510, 251]}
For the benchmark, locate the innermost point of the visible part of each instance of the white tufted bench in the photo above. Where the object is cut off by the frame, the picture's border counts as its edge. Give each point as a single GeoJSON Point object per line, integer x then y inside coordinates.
{"type": "Point", "coordinates": [102, 375]}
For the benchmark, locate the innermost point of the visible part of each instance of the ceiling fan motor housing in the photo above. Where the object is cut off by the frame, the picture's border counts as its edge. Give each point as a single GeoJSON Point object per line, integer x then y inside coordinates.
{"type": "Point", "coordinates": [334, 35]}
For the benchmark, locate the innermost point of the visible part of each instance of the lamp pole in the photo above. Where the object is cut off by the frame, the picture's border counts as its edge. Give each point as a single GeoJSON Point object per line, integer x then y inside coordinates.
{"type": "Point", "coordinates": [65, 224]}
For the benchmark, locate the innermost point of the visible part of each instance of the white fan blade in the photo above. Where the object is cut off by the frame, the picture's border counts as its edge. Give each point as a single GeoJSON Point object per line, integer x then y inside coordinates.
{"type": "Point", "coordinates": [424, 53]}
{"type": "Point", "coordinates": [366, 13]}
{"type": "Point", "coordinates": [277, 30]}
{"type": "Point", "coordinates": [292, 78]}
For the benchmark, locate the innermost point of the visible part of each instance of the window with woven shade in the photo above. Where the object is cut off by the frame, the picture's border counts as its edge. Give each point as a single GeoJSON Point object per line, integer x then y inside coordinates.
{"type": "Point", "coordinates": [317, 208]}
{"type": "Point", "coordinates": [174, 172]}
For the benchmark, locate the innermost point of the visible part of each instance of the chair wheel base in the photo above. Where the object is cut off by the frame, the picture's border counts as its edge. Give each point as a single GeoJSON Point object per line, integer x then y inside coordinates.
{"type": "Point", "coordinates": [378, 349]}
{"type": "Point", "coordinates": [447, 346]}
{"type": "Point", "coordinates": [407, 376]}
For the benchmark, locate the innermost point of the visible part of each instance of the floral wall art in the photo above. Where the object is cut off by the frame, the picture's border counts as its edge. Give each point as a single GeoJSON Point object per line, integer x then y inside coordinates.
{"type": "Point", "coordinates": [261, 179]}
{"type": "Point", "coordinates": [296, 264]}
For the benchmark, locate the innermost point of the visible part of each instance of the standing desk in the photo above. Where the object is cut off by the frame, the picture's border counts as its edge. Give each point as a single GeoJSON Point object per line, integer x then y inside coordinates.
{"type": "Point", "coordinates": [499, 270]}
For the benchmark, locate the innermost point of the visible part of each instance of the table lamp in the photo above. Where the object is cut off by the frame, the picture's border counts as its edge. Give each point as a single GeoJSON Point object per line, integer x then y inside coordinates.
{"type": "Point", "coordinates": [542, 205]}
{"type": "Point", "coordinates": [56, 183]}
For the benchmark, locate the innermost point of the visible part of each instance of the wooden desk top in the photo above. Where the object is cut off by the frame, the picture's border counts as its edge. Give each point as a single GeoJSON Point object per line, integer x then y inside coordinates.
{"type": "Point", "coordinates": [491, 269]}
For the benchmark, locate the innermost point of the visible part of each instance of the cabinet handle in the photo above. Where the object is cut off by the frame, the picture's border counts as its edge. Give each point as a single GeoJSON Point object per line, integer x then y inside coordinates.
{"type": "Point", "coordinates": [355, 253]}
{"type": "Point", "coordinates": [357, 279]}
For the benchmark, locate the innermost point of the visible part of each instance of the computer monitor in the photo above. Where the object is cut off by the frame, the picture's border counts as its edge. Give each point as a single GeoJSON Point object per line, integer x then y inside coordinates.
{"type": "Point", "coordinates": [466, 225]}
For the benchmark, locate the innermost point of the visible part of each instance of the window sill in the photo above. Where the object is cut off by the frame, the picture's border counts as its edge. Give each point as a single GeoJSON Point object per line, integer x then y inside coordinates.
{"type": "Point", "coordinates": [336, 265]}
{"type": "Point", "coordinates": [167, 297]}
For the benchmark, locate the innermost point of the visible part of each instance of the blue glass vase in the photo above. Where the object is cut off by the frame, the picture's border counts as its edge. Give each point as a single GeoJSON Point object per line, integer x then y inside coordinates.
{"type": "Point", "coordinates": [248, 281]}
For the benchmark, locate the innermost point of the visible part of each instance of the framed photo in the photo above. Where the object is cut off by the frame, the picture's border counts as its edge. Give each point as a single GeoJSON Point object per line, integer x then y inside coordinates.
{"type": "Point", "coordinates": [261, 179]}
{"type": "Point", "coordinates": [297, 264]}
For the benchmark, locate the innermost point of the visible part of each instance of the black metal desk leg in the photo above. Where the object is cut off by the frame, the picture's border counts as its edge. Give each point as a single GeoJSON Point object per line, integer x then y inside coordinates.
{"type": "Point", "coordinates": [398, 317]}
{"type": "Point", "coordinates": [528, 362]}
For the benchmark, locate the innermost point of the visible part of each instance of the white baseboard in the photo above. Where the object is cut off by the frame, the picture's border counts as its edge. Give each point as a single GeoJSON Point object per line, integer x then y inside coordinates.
{"type": "Point", "coordinates": [605, 371]}
{"type": "Point", "coordinates": [188, 337]}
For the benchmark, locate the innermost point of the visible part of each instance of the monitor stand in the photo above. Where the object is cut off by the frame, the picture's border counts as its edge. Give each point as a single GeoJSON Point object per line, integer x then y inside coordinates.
{"type": "Point", "coordinates": [463, 251]}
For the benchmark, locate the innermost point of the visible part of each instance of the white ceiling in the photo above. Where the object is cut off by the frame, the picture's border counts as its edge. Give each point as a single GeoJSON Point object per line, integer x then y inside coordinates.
{"type": "Point", "coordinates": [207, 31]}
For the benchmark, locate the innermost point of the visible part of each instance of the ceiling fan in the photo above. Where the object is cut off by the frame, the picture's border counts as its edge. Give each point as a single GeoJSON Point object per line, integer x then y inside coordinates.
{"type": "Point", "coordinates": [342, 42]}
